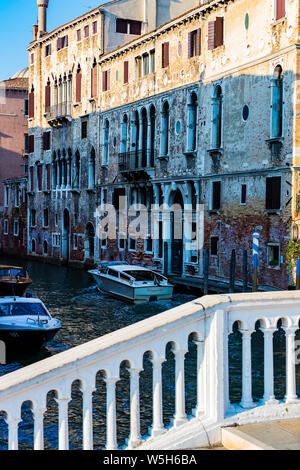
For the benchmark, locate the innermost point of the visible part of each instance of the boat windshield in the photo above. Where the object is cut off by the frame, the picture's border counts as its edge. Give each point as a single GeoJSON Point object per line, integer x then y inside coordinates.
{"type": "Point", "coordinates": [145, 276]}
{"type": "Point", "coordinates": [18, 273]}
{"type": "Point", "coordinates": [4, 272]}
{"type": "Point", "coordinates": [12, 272]}
{"type": "Point", "coordinates": [22, 308]}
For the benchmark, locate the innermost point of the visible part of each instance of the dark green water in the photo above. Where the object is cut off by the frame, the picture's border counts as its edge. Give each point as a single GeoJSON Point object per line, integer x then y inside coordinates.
{"type": "Point", "coordinates": [70, 296]}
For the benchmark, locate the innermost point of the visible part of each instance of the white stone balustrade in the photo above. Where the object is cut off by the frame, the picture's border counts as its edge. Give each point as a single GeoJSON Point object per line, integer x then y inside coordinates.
{"type": "Point", "coordinates": [208, 321]}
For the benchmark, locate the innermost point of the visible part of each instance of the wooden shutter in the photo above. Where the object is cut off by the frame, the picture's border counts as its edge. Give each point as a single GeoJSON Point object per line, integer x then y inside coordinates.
{"type": "Point", "coordinates": [280, 9]}
{"type": "Point", "coordinates": [78, 87]}
{"type": "Point", "coordinates": [108, 80]}
{"type": "Point", "coordinates": [165, 55]}
{"type": "Point", "coordinates": [48, 177]}
{"type": "Point", "coordinates": [31, 104]}
{"type": "Point", "coordinates": [47, 96]}
{"type": "Point", "coordinates": [211, 35]}
{"type": "Point", "coordinates": [40, 177]}
{"type": "Point", "coordinates": [94, 82]}
{"type": "Point", "coordinates": [104, 80]}
{"type": "Point", "coordinates": [31, 143]}
{"type": "Point", "coordinates": [199, 41]}
{"type": "Point", "coordinates": [31, 178]}
{"type": "Point", "coordinates": [219, 31]}
{"type": "Point", "coordinates": [190, 45]}
{"type": "Point", "coordinates": [126, 77]}
{"type": "Point", "coordinates": [273, 193]}
{"type": "Point", "coordinates": [58, 44]}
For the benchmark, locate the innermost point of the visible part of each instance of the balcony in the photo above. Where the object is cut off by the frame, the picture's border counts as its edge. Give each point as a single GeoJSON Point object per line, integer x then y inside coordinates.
{"type": "Point", "coordinates": [59, 113]}
{"type": "Point", "coordinates": [137, 165]}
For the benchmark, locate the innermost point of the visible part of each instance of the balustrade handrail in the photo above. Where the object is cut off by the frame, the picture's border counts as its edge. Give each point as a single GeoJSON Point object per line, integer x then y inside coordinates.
{"type": "Point", "coordinates": [211, 318]}
{"type": "Point", "coordinates": [59, 110]}
{"type": "Point", "coordinates": [137, 160]}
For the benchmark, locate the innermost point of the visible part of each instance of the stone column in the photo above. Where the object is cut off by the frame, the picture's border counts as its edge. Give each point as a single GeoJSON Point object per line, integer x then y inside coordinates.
{"type": "Point", "coordinates": [87, 416]}
{"type": "Point", "coordinates": [291, 396]}
{"type": "Point", "coordinates": [68, 173]}
{"type": "Point", "coordinates": [63, 424]}
{"type": "Point", "coordinates": [38, 416]}
{"type": "Point", "coordinates": [180, 415]}
{"type": "Point", "coordinates": [135, 435]}
{"type": "Point", "coordinates": [269, 397]}
{"type": "Point", "coordinates": [201, 378]}
{"type": "Point", "coordinates": [246, 370]}
{"type": "Point", "coordinates": [13, 427]}
{"type": "Point", "coordinates": [111, 430]}
{"type": "Point", "coordinates": [158, 425]}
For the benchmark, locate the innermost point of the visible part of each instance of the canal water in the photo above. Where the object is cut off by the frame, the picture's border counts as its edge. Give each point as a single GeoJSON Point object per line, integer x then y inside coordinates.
{"type": "Point", "coordinates": [70, 295]}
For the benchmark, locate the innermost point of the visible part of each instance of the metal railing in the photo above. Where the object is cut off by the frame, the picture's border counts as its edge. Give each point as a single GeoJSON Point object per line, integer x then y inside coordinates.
{"type": "Point", "coordinates": [59, 110]}
{"type": "Point", "coordinates": [137, 160]}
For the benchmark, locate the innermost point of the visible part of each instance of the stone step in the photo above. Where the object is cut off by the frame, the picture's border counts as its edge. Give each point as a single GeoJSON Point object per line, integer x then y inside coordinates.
{"type": "Point", "coordinates": [234, 439]}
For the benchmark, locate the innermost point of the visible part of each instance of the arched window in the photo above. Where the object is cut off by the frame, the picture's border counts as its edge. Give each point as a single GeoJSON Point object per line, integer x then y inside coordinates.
{"type": "Point", "coordinates": [105, 143]}
{"type": "Point", "coordinates": [54, 171]}
{"type": "Point", "coordinates": [217, 118]}
{"type": "Point", "coordinates": [78, 85]}
{"type": "Point", "coordinates": [92, 169]}
{"type": "Point", "coordinates": [152, 135]}
{"type": "Point", "coordinates": [77, 170]}
{"type": "Point", "coordinates": [192, 123]}
{"type": "Point", "coordinates": [94, 80]}
{"type": "Point", "coordinates": [45, 247]}
{"type": "Point", "coordinates": [144, 137]}
{"type": "Point", "coordinates": [135, 139]}
{"type": "Point", "coordinates": [124, 133]}
{"type": "Point", "coordinates": [277, 103]}
{"type": "Point", "coordinates": [33, 245]}
{"type": "Point", "coordinates": [165, 125]}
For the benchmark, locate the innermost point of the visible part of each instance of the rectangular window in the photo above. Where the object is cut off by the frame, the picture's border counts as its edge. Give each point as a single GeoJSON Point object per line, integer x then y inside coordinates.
{"type": "Point", "coordinates": [121, 26]}
{"type": "Point", "coordinates": [138, 65]}
{"type": "Point", "coordinates": [26, 107]}
{"type": "Point", "coordinates": [95, 27]}
{"type": "Point", "coordinates": [40, 177]}
{"type": "Point", "coordinates": [243, 194]}
{"type": "Point", "coordinates": [132, 244]}
{"type": "Point", "coordinates": [16, 228]}
{"type": "Point", "coordinates": [128, 27]}
{"type": "Point", "coordinates": [48, 176]}
{"type": "Point", "coordinates": [6, 227]}
{"type": "Point", "coordinates": [45, 218]}
{"type": "Point", "coordinates": [94, 82]}
{"type": "Point", "coordinates": [216, 33]}
{"type": "Point", "coordinates": [78, 34]}
{"type": "Point", "coordinates": [122, 241]}
{"type": "Point", "coordinates": [194, 43]}
{"type": "Point", "coordinates": [149, 245]}
{"type": "Point", "coordinates": [26, 144]}
{"type": "Point", "coordinates": [214, 246]}
{"type": "Point", "coordinates": [17, 196]}
{"type": "Point", "coordinates": [84, 129]}
{"type": "Point", "coordinates": [32, 218]}
{"type": "Point", "coordinates": [31, 178]}
{"type": "Point", "coordinates": [280, 9]}
{"type": "Point", "coordinates": [273, 255]}
{"type": "Point", "coordinates": [152, 61]}
{"type": "Point", "coordinates": [75, 241]}
{"type": "Point", "coordinates": [273, 193]}
{"type": "Point", "coordinates": [47, 50]}
{"type": "Point", "coordinates": [135, 27]}
{"type": "Point", "coordinates": [62, 42]}
{"type": "Point", "coordinates": [106, 80]}
{"type": "Point", "coordinates": [31, 143]}
{"type": "Point", "coordinates": [165, 55]}
{"type": "Point", "coordinates": [146, 64]}
{"type": "Point", "coordinates": [56, 240]}
{"type": "Point", "coordinates": [6, 196]}
{"type": "Point", "coordinates": [47, 140]}
{"type": "Point", "coordinates": [126, 71]}
{"type": "Point", "coordinates": [216, 196]}
{"type": "Point", "coordinates": [86, 31]}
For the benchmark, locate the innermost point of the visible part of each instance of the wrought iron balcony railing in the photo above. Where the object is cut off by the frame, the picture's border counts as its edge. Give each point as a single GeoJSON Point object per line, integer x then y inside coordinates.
{"type": "Point", "coordinates": [138, 160]}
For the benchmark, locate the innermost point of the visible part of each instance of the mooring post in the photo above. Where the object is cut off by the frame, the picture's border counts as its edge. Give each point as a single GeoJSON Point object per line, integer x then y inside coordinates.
{"type": "Point", "coordinates": [255, 237]}
{"type": "Point", "coordinates": [166, 258]}
{"type": "Point", "coordinates": [245, 271]}
{"type": "Point", "coordinates": [298, 275]}
{"type": "Point", "coordinates": [206, 268]}
{"type": "Point", "coordinates": [232, 271]}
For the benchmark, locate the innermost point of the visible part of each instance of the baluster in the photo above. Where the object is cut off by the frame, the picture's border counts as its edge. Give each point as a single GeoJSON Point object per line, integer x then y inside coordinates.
{"type": "Point", "coordinates": [38, 416]}
{"type": "Point", "coordinates": [246, 370]}
{"type": "Point", "coordinates": [291, 396]}
{"type": "Point", "coordinates": [111, 426]}
{"type": "Point", "coordinates": [180, 415]}
{"type": "Point", "coordinates": [63, 426]}
{"type": "Point", "coordinates": [201, 377]}
{"type": "Point", "coordinates": [87, 413]}
{"type": "Point", "coordinates": [13, 440]}
{"type": "Point", "coordinates": [158, 425]}
{"type": "Point", "coordinates": [269, 397]}
{"type": "Point", "coordinates": [135, 435]}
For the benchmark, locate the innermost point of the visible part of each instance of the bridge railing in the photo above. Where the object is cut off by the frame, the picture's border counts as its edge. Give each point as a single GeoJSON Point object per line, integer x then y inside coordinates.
{"type": "Point", "coordinates": [209, 319]}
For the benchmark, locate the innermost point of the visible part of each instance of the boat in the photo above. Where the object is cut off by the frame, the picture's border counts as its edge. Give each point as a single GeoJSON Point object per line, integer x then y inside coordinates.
{"type": "Point", "coordinates": [14, 280]}
{"type": "Point", "coordinates": [25, 323]}
{"type": "Point", "coordinates": [134, 284]}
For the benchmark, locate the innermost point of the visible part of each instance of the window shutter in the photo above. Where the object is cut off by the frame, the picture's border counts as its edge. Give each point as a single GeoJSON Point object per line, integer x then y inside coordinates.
{"type": "Point", "coordinates": [78, 88]}
{"type": "Point", "coordinates": [189, 45]}
{"type": "Point", "coordinates": [40, 179]}
{"type": "Point", "coordinates": [108, 80]}
{"type": "Point", "coordinates": [31, 143]}
{"type": "Point", "coordinates": [47, 96]}
{"type": "Point", "coordinates": [104, 81]}
{"type": "Point", "coordinates": [199, 41]}
{"type": "Point", "coordinates": [31, 104]}
{"type": "Point", "coordinates": [165, 55]}
{"type": "Point", "coordinates": [58, 44]}
{"type": "Point", "coordinates": [211, 35]}
{"type": "Point", "coordinates": [219, 31]}
{"type": "Point", "coordinates": [126, 77]}
{"type": "Point", "coordinates": [31, 179]}
{"type": "Point", "coordinates": [48, 177]}
{"type": "Point", "coordinates": [280, 9]}
{"type": "Point", "coordinates": [94, 82]}
{"type": "Point", "coordinates": [66, 41]}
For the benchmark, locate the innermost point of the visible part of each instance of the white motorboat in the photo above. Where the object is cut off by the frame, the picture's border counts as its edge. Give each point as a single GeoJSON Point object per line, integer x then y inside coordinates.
{"type": "Point", "coordinates": [132, 283]}
{"type": "Point", "coordinates": [25, 323]}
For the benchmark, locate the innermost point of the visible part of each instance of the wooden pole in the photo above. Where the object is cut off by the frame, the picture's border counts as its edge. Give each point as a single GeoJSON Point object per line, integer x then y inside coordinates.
{"type": "Point", "coordinates": [245, 271]}
{"type": "Point", "coordinates": [206, 269]}
{"type": "Point", "coordinates": [232, 271]}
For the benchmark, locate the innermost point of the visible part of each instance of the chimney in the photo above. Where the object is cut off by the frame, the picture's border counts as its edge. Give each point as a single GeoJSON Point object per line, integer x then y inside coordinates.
{"type": "Point", "coordinates": [35, 31]}
{"type": "Point", "coordinates": [42, 6]}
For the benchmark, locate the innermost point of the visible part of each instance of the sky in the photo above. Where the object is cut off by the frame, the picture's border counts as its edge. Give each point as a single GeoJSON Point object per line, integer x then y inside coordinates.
{"type": "Point", "coordinates": [16, 20]}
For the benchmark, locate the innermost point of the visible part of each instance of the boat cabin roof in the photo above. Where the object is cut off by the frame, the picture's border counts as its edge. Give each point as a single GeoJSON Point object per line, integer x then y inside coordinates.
{"type": "Point", "coordinates": [30, 300]}
{"type": "Point", "coordinates": [3, 266]}
{"type": "Point", "coordinates": [126, 267]}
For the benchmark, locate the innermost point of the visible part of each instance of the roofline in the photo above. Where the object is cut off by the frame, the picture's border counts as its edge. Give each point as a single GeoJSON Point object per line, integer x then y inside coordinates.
{"type": "Point", "coordinates": [92, 12]}
{"type": "Point", "coordinates": [156, 32]}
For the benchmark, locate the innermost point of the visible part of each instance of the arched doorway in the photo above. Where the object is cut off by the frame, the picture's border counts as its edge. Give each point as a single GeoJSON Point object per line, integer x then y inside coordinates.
{"type": "Point", "coordinates": [66, 235]}
{"type": "Point", "coordinates": [177, 232]}
{"type": "Point", "coordinates": [89, 241]}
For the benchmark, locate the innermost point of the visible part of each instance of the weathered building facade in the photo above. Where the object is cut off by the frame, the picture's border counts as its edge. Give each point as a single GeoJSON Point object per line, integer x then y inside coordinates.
{"type": "Point", "coordinates": [13, 158]}
{"type": "Point", "coordinates": [200, 112]}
